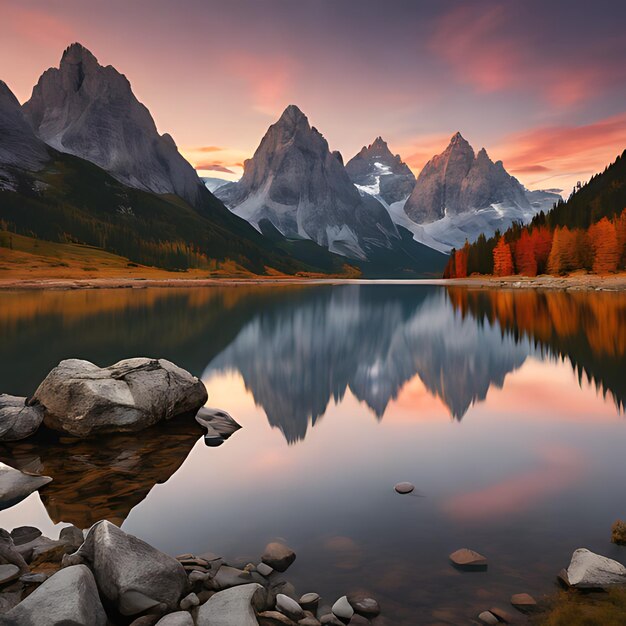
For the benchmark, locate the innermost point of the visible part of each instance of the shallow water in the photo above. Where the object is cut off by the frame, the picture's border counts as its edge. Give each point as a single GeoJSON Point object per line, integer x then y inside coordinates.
{"type": "Point", "coordinates": [502, 407]}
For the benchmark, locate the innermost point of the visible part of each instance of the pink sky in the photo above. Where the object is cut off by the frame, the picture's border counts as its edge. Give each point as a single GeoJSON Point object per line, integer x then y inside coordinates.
{"type": "Point", "coordinates": [542, 88]}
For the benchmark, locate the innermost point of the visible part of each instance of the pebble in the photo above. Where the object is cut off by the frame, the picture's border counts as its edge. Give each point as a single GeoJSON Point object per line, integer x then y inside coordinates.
{"type": "Point", "coordinates": [487, 617]}
{"type": "Point", "coordinates": [342, 609]}
{"type": "Point", "coordinates": [264, 570]}
{"type": "Point", "coordinates": [404, 488]}
{"type": "Point", "coordinates": [188, 602]}
{"type": "Point", "coordinates": [309, 602]}
{"type": "Point", "coordinates": [523, 602]}
{"type": "Point", "coordinates": [468, 559]}
{"type": "Point", "coordinates": [289, 607]}
{"type": "Point", "coordinates": [8, 572]}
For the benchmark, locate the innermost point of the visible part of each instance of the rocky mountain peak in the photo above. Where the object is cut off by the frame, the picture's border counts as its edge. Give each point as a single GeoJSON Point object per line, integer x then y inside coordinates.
{"type": "Point", "coordinates": [292, 116]}
{"type": "Point", "coordinates": [88, 110]}
{"type": "Point", "coordinates": [19, 147]}
{"type": "Point", "coordinates": [377, 171]}
{"type": "Point", "coordinates": [77, 53]}
{"type": "Point", "coordinates": [297, 184]}
{"type": "Point", "coordinates": [457, 181]}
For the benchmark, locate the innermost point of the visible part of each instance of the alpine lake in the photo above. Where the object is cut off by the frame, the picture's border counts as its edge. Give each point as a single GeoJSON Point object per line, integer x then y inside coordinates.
{"type": "Point", "coordinates": [503, 407]}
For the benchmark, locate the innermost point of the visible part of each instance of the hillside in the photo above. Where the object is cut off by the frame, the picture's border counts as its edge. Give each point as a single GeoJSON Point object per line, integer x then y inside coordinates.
{"type": "Point", "coordinates": [586, 232]}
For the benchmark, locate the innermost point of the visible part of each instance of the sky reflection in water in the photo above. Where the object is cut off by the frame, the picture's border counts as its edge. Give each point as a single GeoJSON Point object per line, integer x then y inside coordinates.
{"type": "Point", "coordinates": [344, 391]}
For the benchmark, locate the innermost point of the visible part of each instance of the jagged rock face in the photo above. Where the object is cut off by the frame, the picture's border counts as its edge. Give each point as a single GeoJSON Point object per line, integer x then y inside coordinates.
{"type": "Point", "coordinates": [295, 182]}
{"type": "Point", "coordinates": [458, 181]}
{"type": "Point", "coordinates": [90, 111]}
{"type": "Point", "coordinates": [375, 170]}
{"type": "Point", "coordinates": [19, 147]}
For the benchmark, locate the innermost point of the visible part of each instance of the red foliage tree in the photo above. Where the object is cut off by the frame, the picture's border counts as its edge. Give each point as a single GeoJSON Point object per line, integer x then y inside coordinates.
{"type": "Point", "coordinates": [525, 260]}
{"type": "Point", "coordinates": [460, 262]}
{"type": "Point", "coordinates": [502, 259]}
{"type": "Point", "coordinates": [542, 244]}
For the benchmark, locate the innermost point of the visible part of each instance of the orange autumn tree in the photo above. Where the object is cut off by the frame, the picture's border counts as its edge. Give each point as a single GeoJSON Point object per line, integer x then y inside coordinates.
{"type": "Point", "coordinates": [460, 261]}
{"type": "Point", "coordinates": [525, 260]}
{"type": "Point", "coordinates": [542, 244]}
{"type": "Point", "coordinates": [563, 254]}
{"type": "Point", "coordinates": [620, 231]}
{"type": "Point", "coordinates": [502, 259]}
{"type": "Point", "coordinates": [604, 246]}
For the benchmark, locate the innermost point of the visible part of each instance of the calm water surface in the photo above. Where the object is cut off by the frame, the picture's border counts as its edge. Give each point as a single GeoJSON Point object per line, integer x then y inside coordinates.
{"type": "Point", "coordinates": [503, 408]}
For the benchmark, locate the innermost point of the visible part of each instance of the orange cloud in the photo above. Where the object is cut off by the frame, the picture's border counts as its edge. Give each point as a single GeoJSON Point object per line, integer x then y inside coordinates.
{"type": "Point", "coordinates": [268, 79]}
{"type": "Point", "coordinates": [217, 167]}
{"type": "Point", "coordinates": [571, 151]}
{"type": "Point", "coordinates": [36, 25]}
{"type": "Point", "coordinates": [207, 149]}
{"type": "Point", "coordinates": [559, 468]}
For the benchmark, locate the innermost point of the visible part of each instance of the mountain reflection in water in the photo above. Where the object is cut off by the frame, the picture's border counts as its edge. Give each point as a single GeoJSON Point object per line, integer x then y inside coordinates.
{"type": "Point", "coordinates": [294, 360]}
{"type": "Point", "coordinates": [297, 349]}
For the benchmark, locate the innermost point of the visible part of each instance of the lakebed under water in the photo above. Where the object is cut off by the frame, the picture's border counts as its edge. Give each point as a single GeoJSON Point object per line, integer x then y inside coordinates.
{"type": "Point", "coordinates": [504, 408]}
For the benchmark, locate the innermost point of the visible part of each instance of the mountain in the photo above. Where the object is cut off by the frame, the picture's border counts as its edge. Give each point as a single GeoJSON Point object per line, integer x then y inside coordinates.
{"type": "Point", "coordinates": [212, 182]}
{"type": "Point", "coordinates": [375, 170]}
{"type": "Point", "coordinates": [88, 110]}
{"type": "Point", "coordinates": [459, 195]}
{"type": "Point", "coordinates": [59, 197]}
{"type": "Point", "coordinates": [19, 147]}
{"type": "Point", "coordinates": [295, 186]}
{"type": "Point", "coordinates": [585, 232]}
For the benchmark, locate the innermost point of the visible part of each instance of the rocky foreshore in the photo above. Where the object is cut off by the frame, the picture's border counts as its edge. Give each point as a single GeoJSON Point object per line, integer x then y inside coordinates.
{"type": "Point", "coordinates": [109, 577]}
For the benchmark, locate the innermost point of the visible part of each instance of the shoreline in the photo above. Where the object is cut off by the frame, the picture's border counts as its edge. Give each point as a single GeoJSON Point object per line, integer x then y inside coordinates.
{"type": "Point", "coordinates": [574, 282]}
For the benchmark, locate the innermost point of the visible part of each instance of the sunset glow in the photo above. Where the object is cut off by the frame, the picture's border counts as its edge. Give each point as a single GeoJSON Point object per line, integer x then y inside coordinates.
{"type": "Point", "coordinates": [540, 87]}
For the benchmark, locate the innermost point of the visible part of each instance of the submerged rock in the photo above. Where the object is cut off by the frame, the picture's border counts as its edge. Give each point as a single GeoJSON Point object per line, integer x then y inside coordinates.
{"type": "Point", "coordinates": [18, 419]}
{"type": "Point", "coordinates": [232, 607]}
{"type": "Point", "coordinates": [16, 485]}
{"type": "Point", "coordinates": [364, 604]}
{"type": "Point", "coordinates": [487, 617]}
{"type": "Point", "coordinates": [68, 597]}
{"type": "Point", "coordinates": [131, 574]}
{"type": "Point", "coordinates": [82, 399]}
{"type": "Point", "coordinates": [279, 556]}
{"type": "Point", "coordinates": [523, 602]}
{"type": "Point", "coordinates": [588, 570]}
{"type": "Point", "coordinates": [468, 559]}
{"type": "Point", "coordinates": [274, 618]}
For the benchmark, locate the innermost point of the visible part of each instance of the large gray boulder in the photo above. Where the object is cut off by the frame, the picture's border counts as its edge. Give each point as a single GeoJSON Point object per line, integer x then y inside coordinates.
{"type": "Point", "coordinates": [18, 420]}
{"type": "Point", "coordinates": [69, 598]}
{"type": "Point", "coordinates": [82, 399]}
{"type": "Point", "coordinates": [131, 574]}
{"type": "Point", "coordinates": [16, 485]}
{"type": "Point", "coordinates": [232, 607]}
{"type": "Point", "coordinates": [588, 570]}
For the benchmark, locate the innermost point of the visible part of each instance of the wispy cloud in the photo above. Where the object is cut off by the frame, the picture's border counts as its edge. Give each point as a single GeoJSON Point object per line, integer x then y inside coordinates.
{"type": "Point", "coordinates": [485, 48]}
{"type": "Point", "coordinates": [217, 167]}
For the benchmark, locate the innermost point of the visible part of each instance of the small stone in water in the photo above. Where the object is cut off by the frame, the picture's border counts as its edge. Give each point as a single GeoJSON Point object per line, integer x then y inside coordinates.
{"type": "Point", "coordinates": [342, 608]}
{"type": "Point", "coordinates": [523, 601]}
{"type": "Point", "coordinates": [404, 488]}
{"type": "Point", "coordinates": [469, 559]}
{"type": "Point", "coordinates": [486, 617]}
{"type": "Point", "coordinates": [264, 570]}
